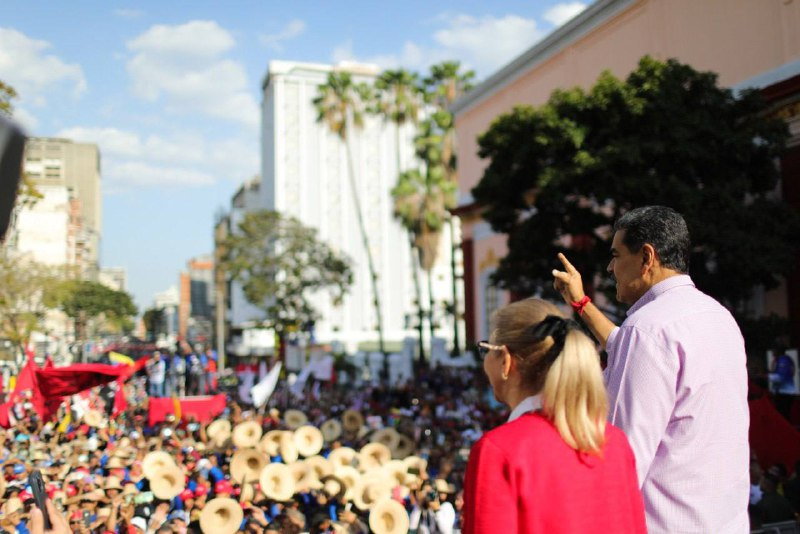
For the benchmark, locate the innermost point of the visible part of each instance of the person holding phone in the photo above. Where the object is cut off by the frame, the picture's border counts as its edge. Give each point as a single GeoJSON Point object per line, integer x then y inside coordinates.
{"type": "Point", "coordinates": [58, 522]}
{"type": "Point", "coordinates": [676, 377]}
{"type": "Point", "coordinates": [556, 465]}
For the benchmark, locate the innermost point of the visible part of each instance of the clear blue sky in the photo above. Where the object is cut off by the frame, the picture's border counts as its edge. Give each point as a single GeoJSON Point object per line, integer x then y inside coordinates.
{"type": "Point", "coordinates": [170, 91]}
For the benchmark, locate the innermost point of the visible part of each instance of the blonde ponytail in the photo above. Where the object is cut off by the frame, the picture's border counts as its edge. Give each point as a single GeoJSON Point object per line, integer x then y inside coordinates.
{"type": "Point", "coordinates": [574, 396]}
{"type": "Point", "coordinates": [570, 383]}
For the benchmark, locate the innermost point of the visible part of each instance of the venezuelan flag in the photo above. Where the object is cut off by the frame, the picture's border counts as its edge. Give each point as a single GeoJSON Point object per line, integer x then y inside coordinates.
{"type": "Point", "coordinates": [116, 357]}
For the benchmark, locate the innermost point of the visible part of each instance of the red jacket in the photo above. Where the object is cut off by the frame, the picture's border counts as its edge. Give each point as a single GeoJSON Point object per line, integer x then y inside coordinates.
{"type": "Point", "coordinates": [522, 477]}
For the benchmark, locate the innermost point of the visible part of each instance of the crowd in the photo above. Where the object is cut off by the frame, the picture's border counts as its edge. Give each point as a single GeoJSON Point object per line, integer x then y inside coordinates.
{"type": "Point", "coordinates": [656, 442]}
{"type": "Point", "coordinates": [178, 374]}
{"type": "Point", "coordinates": [343, 450]}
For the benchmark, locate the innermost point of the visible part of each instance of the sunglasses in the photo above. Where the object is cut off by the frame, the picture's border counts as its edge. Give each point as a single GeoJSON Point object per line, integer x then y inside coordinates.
{"type": "Point", "coordinates": [484, 347]}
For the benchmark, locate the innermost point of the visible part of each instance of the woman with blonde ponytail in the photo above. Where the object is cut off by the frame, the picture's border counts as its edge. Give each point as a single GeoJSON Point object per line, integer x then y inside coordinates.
{"type": "Point", "coordinates": [556, 465]}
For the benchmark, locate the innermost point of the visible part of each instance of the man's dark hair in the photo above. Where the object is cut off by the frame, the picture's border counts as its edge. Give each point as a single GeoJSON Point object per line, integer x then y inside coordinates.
{"type": "Point", "coordinates": [663, 228]}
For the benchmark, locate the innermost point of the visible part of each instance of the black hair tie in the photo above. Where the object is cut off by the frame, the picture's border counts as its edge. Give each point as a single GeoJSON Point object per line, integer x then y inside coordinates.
{"type": "Point", "coordinates": [557, 328]}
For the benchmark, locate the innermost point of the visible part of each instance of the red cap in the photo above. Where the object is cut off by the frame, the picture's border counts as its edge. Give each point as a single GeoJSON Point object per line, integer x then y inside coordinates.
{"type": "Point", "coordinates": [200, 490]}
{"type": "Point", "coordinates": [71, 490]}
{"type": "Point", "coordinates": [186, 495]}
{"type": "Point", "coordinates": [223, 486]}
{"type": "Point", "coordinates": [24, 495]}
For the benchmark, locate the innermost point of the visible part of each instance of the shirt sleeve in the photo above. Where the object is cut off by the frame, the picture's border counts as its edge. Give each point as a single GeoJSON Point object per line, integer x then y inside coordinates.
{"type": "Point", "coordinates": [641, 379]}
{"type": "Point", "coordinates": [489, 494]}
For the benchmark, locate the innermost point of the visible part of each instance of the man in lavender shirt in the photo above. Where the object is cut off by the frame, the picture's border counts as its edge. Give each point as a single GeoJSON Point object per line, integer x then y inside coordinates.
{"type": "Point", "coordinates": [676, 377]}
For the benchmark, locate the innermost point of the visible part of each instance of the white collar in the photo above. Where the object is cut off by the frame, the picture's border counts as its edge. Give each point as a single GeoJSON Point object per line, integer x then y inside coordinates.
{"type": "Point", "coordinates": [528, 404]}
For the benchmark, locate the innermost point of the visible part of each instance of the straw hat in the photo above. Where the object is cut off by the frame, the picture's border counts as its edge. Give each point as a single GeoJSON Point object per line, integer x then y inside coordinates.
{"type": "Point", "coordinates": [271, 442]}
{"type": "Point", "coordinates": [373, 455]}
{"type": "Point", "coordinates": [93, 418]}
{"type": "Point", "coordinates": [321, 466]}
{"type": "Point", "coordinates": [371, 489]}
{"type": "Point", "coordinates": [308, 440]}
{"type": "Point", "coordinates": [442, 486]}
{"type": "Point", "coordinates": [221, 516]}
{"type": "Point", "coordinates": [397, 471]}
{"type": "Point", "coordinates": [333, 486]}
{"type": "Point", "coordinates": [349, 475]}
{"type": "Point", "coordinates": [352, 420]}
{"type": "Point", "coordinates": [405, 447]}
{"type": "Point", "coordinates": [287, 448]}
{"type": "Point", "coordinates": [331, 430]}
{"type": "Point", "coordinates": [248, 493]}
{"type": "Point", "coordinates": [155, 462]}
{"type": "Point", "coordinates": [247, 434]}
{"type": "Point", "coordinates": [388, 517]}
{"type": "Point", "coordinates": [277, 482]}
{"type": "Point", "coordinates": [342, 456]}
{"type": "Point", "coordinates": [388, 436]}
{"type": "Point", "coordinates": [219, 431]}
{"type": "Point", "coordinates": [415, 462]}
{"type": "Point", "coordinates": [294, 419]}
{"type": "Point", "coordinates": [112, 482]}
{"type": "Point", "coordinates": [116, 462]}
{"type": "Point", "coordinates": [302, 475]}
{"type": "Point", "coordinates": [168, 483]}
{"type": "Point", "coordinates": [246, 465]}
{"type": "Point", "coordinates": [14, 504]}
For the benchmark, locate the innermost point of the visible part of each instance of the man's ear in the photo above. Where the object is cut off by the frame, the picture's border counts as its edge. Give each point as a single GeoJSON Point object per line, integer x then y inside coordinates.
{"type": "Point", "coordinates": [648, 257]}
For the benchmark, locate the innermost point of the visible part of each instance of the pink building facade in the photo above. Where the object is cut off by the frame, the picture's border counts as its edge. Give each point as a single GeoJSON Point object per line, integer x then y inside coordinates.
{"type": "Point", "coordinates": [748, 43]}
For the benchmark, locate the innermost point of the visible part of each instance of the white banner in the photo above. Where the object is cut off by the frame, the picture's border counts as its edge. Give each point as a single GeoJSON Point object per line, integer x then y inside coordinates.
{"type": "Point", "coordinates": [262, 391]}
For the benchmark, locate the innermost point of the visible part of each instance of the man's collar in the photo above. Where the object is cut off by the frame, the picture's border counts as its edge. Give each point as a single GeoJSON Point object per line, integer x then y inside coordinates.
{"type": "Point", "coordinates": [660, 288]}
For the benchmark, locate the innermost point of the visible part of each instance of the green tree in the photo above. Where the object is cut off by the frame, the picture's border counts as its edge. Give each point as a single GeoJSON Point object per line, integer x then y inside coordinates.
{"type": "Point", "coordinates": [25, 297]}
{"type": "Point", "coordinates": [7, 95]}
{"type": "Point", "coordinates": [436, 147]}
{"type": "Point", "coordinates": [560, 174]}
{"type": "Point", "coordinates": [280, 263]}
{"type": "Point", "coordinates": [341, 105]}
{"type": "Point", "coordinates": [27, 193]}
{"type": "Point", "coordinates": [86, 300]}
{"type": "Point", "coordinates": [153, 319]}
{"type": "Point", "coordinates": [399, 100]}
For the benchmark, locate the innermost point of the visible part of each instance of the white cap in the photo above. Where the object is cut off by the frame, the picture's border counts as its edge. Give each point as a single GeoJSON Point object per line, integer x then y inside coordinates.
{"type": "Point", "coordinates": [139, 522]}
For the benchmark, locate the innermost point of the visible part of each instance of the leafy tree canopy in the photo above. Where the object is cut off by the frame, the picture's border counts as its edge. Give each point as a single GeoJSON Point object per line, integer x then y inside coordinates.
{"type": "Point", "coordinates": [153, 319]}
{"type": "Point", "coordinates": [280, 263]}
{"type": "Point", "coordinates": [7, 94]}
{"type": "Point", "coordinates": [25, 289]}
{"type": "Point", "coordinates": [560, 174]}
{"type": "Point", "coordinates": [86, 299]}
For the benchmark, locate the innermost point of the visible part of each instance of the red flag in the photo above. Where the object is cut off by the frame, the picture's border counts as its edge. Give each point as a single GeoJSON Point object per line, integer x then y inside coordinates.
{"type": "Point", "coordinates": [5, 420]}
{"type": "Point", "coordinates": [27, 381]}
{"type": "Point", "coordinates": [48, 362]}
{"type": "Point", "coordinates": [72, 379]}
{"type": "Point", "coordinates": [204, 408]}
{"type": "Point", "coordinates": [772, 437]}
{"type": "Point", "coordinates": [120, 402]}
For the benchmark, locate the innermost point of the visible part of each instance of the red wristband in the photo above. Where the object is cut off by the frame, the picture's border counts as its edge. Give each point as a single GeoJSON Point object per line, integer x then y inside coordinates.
{"type": "Point", "coordinates": [581, 304]}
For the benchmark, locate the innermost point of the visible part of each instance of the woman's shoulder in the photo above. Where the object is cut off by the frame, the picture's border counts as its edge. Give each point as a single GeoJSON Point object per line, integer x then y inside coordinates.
{"type": "Point", "coordinates": [522, 432]}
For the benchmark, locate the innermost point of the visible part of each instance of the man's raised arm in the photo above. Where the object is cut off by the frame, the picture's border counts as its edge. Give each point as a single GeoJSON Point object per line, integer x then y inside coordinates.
{"type": "Point", "coordinates": [570, 285]}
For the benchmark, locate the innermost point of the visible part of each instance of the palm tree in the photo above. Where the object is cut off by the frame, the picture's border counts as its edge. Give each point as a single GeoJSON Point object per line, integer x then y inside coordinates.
{"type": "Point", "coordinates": [399, 100]}
{"type": "Point", "coordinates": [340, 105]}
{"type": "Point", "coordinates": [437, 146]}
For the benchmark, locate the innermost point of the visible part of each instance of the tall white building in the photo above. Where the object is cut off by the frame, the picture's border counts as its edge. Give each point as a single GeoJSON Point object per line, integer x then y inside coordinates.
{"type": "Point", "coordinates": [114, 277]}
{"type": "Point", "coordinates": [305, 174]}
{"type": "Point", "coordinates": [64, 226]}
